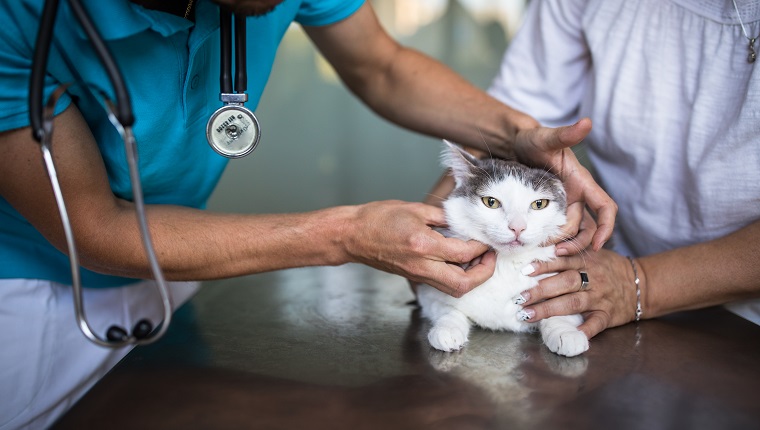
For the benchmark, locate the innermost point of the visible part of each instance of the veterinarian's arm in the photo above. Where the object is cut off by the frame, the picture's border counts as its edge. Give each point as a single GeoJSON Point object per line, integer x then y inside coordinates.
{"type": "Point", "coordinates": [392, 236]}
{"type": "Point", "coordinates": [422, 94]}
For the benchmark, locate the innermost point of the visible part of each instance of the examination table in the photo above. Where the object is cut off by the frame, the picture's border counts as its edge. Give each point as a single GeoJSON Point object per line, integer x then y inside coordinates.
{"type": "Point", "coordinates": [342, 348]}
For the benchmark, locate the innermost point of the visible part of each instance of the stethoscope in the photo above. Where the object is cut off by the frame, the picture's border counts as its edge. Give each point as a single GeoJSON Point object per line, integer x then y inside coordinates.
{"type": "Point", "coordinates": [232, 131]}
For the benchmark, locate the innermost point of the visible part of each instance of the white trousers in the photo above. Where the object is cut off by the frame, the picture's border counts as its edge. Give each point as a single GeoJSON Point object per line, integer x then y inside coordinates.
{"type": "Point", "coordinates": [46, 363]}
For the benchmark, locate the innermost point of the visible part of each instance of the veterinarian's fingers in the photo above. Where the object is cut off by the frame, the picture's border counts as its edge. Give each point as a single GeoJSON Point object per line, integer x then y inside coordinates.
{"type": "Point", "coordinates": [574, 219]}
{"type": "Point", "coordinates": [571, 135]}
{"type": "Point", "coordinates": [432, 215]}
{"type": "Point", "coordinates": [579, 184]}
{"type": "Point", "coordinates": [455, 281]}
{"type": "Point", "coordinates": [591, 193]}
{"type": "Point", "coordinates": [606, 210]}
{"type": "Point", "coordinates": [577, 232]}
{"type": "Point", "coordinates": [486, 263]}
{"type": "Point", "coordinates": [460, 251]}
{"type": "Point", "coordinates": [581, 187]}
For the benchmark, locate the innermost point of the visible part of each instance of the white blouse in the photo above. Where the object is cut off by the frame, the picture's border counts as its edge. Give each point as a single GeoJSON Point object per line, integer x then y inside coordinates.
{"type": "Point", "coordinates": [675, 107]}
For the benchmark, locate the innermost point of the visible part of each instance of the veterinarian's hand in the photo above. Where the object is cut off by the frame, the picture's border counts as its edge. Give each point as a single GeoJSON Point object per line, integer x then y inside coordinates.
{"type": "Point", "coordinates": [577, 233]}
{"type": "Point", "coordinates": [608, 301]}
{"type": "Point", "coordinates": [550, 148]}
{"type": "Point", "coordinates": [397, 237]}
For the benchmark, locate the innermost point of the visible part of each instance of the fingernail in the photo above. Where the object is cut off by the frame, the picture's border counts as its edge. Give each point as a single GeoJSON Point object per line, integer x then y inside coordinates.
{"type": "Point", "coordinates": [560, 252]}
{"type": "Point", "coordinates": [526, 314]}
{"type": "Point", "coordinates": [527, 270]}
{"type": "Point", "coordinates": [521, 298]}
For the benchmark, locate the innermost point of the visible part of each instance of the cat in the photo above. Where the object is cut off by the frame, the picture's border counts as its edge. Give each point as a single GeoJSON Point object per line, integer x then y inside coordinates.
{"type": "Point", "coordinates": [514, 209]}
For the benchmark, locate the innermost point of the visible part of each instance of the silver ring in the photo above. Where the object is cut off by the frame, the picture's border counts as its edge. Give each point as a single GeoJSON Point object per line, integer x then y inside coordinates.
{"type": "Point", "coordinates": [584, 281]}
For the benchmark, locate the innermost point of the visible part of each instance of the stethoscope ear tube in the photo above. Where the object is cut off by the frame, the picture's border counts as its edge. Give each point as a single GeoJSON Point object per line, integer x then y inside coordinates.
{"type": "Point", "coordinates": [123, 110]}
{"type": "Point", "coordinates": [121, 116]}
{"type": "Point", "coordinates": [47, 156]}
{"type": "Point", "coordinates": [241, 60]}
{"type": "Point", "coordinates": [39, 66]}
{"type": "Point", "coordinates": [225, 66]}
{"type": "Point", "coordinates": [225, 55]}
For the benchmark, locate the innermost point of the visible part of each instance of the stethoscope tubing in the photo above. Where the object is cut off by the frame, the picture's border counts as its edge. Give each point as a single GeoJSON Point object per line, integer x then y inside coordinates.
{"type": "Point", "coordinates": [225, 67]}
{"type": "Point", "coordinates": [121, 115]}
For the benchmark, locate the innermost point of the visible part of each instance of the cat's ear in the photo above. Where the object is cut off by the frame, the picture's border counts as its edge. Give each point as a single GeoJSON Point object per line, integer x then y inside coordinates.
{"type": "Point", "coordinates": [459, 161]}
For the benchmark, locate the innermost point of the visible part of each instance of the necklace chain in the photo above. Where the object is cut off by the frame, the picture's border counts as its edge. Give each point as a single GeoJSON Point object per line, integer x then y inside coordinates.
{"type": "Point", "coordinates": [190, 7]}
{"type": "Point", "coordinates": [752, 55]}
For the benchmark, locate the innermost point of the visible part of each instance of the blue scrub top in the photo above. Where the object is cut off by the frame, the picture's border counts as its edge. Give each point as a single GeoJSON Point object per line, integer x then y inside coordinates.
{"type": "Point", "coordinates": [171, 68]}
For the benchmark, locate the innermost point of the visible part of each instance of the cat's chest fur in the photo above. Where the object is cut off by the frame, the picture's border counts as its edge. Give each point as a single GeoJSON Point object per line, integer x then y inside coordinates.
{"type": "Point", "coordinates": [492, 304]}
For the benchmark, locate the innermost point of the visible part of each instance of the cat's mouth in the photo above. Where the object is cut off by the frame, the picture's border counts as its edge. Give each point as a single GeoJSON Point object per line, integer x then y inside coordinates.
{"type": "Point", "coordinates": [516, 243]}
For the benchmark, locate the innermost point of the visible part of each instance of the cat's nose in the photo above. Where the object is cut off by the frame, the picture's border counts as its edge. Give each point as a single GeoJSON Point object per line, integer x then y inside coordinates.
{"type": "Point", "coordinates": [517, 229]}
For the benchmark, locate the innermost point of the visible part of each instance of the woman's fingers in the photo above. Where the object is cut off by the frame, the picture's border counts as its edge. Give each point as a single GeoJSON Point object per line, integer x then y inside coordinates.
{"type": "Point", "coordinates": [563, 283]}
{"type": "Point", "coordinates": [604, 302]}
{"type": "Point", "coordinates": [557, 265]}
{"type": "Point", "coordinates": [594, 323]}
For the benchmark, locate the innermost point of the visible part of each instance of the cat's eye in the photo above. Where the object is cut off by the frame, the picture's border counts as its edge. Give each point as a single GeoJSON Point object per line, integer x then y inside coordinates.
{"type": "Point", "coordinates": [491, 202]}
{"type": "Point", "coordinates": [539, 204]}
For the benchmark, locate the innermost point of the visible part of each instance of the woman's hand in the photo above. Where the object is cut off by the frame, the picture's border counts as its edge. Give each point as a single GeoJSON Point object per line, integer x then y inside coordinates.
{"type": "Point", "coordinates": [608, 301]}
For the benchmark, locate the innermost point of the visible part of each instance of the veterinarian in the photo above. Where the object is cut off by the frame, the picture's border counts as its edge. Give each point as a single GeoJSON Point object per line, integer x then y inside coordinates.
{"type": "Point", "coordinates": [167, 52]}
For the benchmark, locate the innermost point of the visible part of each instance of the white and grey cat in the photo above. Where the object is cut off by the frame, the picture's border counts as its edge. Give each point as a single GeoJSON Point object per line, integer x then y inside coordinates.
{"type": "Point", "coordinates": [514, 209]}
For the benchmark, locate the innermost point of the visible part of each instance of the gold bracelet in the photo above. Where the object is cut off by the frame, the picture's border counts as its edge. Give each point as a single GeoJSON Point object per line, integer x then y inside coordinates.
{"type": "Point", "coordinates": [638, 289]}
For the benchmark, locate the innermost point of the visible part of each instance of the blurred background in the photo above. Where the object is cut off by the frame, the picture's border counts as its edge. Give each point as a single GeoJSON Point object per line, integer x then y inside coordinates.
{"type": "Point", "coordinates": [321, 147]}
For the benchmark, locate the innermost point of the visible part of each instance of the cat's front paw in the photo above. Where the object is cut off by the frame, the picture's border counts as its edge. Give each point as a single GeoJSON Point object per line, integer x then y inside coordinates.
{"type": "Point", "coordinates": [447, 338]}
{"type": "Point", "coordinates": [566, 342]}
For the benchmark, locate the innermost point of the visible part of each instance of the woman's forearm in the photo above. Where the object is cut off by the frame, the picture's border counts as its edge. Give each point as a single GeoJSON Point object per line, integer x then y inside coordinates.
{"type": "Point", "coordinates": [702, 275]}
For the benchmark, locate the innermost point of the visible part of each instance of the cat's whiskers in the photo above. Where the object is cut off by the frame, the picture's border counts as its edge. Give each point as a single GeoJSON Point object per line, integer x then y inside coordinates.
{"type": "Point", "coordinates": [441, 198]}
{"type": "Point", "coordinates": [483, 138]}
{"type": "Point", "coordinates": [490, 154]}
{"type": "Point", "coordinates": [583, 158]}
{"type": "Point", "coordinates": [488, 174]}
{"type": "Point", "coordinates": [544, 178]}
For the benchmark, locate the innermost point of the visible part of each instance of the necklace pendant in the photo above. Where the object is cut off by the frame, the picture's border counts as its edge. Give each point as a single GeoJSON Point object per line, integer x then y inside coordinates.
{"type": "Point", "coordinates": [752, 56]}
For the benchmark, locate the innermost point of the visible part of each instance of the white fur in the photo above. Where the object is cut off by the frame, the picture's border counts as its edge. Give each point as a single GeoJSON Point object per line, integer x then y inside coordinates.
{"type": "Point", "coordinates": [491, 305]}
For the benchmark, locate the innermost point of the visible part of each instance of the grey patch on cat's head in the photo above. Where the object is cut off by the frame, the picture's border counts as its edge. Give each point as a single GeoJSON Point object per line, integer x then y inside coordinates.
{"type": "Point", "coordinates": [473, 176]}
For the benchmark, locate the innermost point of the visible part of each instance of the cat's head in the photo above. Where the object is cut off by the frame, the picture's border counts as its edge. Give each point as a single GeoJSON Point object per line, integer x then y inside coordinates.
{"type": "Point", "coordinates": [503, 204]}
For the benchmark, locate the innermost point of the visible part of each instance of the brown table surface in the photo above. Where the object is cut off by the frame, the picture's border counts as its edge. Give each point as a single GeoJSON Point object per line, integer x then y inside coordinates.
{"type": "Point", "coordinates": [339, 347]}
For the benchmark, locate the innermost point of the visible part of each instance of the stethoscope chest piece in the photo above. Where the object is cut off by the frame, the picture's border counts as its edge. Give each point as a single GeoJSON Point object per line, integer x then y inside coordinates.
{"type": "Point", "coordinates": [233, 131]}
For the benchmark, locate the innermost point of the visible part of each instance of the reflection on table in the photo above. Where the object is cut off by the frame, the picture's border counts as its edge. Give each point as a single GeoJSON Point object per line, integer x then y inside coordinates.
{"type": "Point", "coordinates": [340, 347]}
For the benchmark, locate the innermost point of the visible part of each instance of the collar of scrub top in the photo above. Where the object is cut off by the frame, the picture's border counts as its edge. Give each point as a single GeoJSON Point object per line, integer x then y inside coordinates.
{"type": "Point", "coordinates": [120, 114]}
